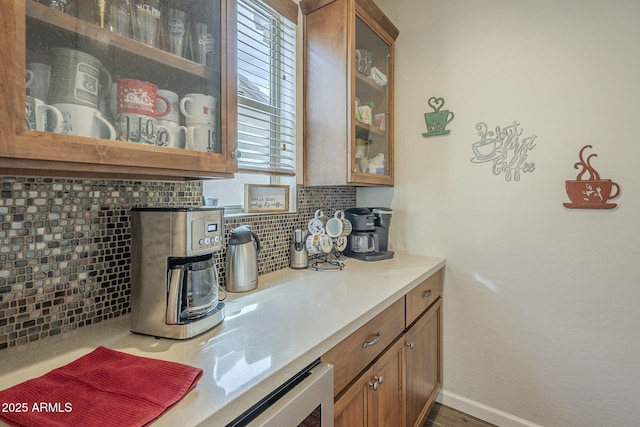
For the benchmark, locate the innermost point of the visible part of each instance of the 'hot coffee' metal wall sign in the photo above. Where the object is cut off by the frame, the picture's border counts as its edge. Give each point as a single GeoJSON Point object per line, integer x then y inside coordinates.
{"type": "Point", "coordinates": [590, 192]}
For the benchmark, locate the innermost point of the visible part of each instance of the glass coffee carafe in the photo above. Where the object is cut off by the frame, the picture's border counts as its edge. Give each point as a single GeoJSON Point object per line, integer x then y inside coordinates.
{"type": "Point", "coordinates": [193, 289]}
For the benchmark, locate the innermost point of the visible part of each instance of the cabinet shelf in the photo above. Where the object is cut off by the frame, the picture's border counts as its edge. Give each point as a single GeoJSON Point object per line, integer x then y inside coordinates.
{"type": "Point", "coordinates": [44, 15]}
{"type": "Point", "coordinates": [369, 128]}
{"type": "Point", "coordinates": [371, 83]}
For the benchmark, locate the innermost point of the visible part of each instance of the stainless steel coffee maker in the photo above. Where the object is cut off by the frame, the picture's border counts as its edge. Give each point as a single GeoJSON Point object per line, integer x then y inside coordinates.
{"type": "Point", "coordinates": [174, 278]}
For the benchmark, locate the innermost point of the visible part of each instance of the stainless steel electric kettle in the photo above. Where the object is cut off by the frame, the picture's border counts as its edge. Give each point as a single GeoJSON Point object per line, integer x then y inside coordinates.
{"type": "Point", "coordinates": [242, 260]}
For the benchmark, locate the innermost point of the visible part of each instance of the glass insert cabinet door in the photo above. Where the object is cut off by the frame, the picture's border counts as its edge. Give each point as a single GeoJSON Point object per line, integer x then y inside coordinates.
{"type": "Point", "coordinates": [138, 71]}
{"type": "Point", "coordinates": [372, 103]}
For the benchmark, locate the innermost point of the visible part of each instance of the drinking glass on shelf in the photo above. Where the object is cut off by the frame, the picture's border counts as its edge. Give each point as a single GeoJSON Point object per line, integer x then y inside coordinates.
{"type": "Point", "coordinates": [147, 22]}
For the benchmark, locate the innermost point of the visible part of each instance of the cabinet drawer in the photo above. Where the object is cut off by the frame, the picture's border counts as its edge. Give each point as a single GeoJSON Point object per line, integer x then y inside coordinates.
{"type": "Point", "coordinates": [422, 296]}
{"type": "Point", "coordinates": [359, 349]}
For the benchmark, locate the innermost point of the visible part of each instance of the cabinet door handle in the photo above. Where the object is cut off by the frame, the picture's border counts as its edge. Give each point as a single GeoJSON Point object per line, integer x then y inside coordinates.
{"type": "Point", "coordinates": [375, 385]}
{"type": "Point", "coordinates": [373, 341]}
{"type": "Point", "coordinates": [411, 345]}
{"type": "Point", "coordinates": [426, 294]}
{"type": "Point", "coordinates": [379, 379]}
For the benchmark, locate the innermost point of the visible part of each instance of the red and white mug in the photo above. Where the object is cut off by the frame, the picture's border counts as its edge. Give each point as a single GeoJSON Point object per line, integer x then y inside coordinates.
{"type": "Point", "coordinates": [137, 97]}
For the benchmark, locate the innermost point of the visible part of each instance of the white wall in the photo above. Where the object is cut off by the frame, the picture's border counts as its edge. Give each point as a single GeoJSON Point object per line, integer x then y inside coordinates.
{"type": "Point", "coordinates": [541, 303]}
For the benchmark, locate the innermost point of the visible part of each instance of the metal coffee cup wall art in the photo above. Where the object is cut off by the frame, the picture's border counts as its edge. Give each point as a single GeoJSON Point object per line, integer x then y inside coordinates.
{"type": "Point", "coordinates": [437, 120]}
{"type": "Point", "coordinates": [590, 191]}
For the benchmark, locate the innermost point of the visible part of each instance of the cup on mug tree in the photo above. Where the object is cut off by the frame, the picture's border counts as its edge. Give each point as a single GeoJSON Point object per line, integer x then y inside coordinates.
{"type": "Point", "coordinates": [198, 109]}
{"type": "Point", "coordinates": [338, 226]}
{"type": "Point", "coordinates": [317, 223]}
{"type": "Point", "coordinates": [168, 106]}
{"type": "Point", "coordinates": [42, 117]}
{"type": "Point", "coordinates": [171, 134]}
{"type": "Point", "coordinates": [84, 121]}
{"type": "Point", "coordinates": [318, 244]}
{"type": "Point", "coordinates": [138, 128]}
{"type": "Point", "coordinates": [202, 137]}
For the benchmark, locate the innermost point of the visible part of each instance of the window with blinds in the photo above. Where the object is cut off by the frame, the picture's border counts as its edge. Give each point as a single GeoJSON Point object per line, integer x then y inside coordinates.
{"type": "Point", "coordinates": [266, 89]}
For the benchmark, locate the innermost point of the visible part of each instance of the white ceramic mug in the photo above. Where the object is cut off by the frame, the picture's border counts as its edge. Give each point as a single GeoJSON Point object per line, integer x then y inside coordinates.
{"type": "Point", "coordinates": [202, 137]}
{"type": "Point", "coordinates": [139, 128]}
{"type": "Point", "coordinates": [316, 224]}
{"type": "Point", "coordinates": [38, 116]}
{"type": "Point", "coordinates": [318, 244]}
{"type": "Point", "coordinates": [171, 134]}
{"type": "Point", "coordinates": [338, 225]}
{"type": "Point", "coordinates": [198, 109]}
{"type": "Point", "coordinates": [38, 84]}
{"type": "Point", "coordinates": [168, 106]}
{"type": "Point", "coordinates": [82, 120]}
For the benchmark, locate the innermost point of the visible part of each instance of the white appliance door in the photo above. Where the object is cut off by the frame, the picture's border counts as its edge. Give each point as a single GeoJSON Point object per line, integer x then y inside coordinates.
{"type": "Point", "coordinates": [292, 409]}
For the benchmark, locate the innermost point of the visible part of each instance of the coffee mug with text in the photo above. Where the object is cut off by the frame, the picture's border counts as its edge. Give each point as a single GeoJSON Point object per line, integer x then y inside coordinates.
{"type": "Point", "coordinates": [85, 121]}
{"type": "Point", "coordinates": [198, 109]}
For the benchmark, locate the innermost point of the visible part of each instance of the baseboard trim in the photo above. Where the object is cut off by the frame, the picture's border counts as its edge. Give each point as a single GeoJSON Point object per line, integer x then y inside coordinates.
{"type": "Point", "coordinates": [479, 410]}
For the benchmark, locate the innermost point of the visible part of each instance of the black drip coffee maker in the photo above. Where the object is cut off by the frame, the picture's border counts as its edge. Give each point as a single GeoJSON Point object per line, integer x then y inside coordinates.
{"type": "Point", "coordinates": [369, 239]}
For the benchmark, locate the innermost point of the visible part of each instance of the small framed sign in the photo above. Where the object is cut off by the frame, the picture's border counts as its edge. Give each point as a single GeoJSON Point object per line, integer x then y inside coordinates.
{"type": "Point", "coordinates": [266, 198]}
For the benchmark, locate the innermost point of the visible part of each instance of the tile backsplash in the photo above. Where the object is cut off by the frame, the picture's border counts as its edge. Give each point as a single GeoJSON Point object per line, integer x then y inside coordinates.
{"type": "Point", "coordinates": [65, 246]}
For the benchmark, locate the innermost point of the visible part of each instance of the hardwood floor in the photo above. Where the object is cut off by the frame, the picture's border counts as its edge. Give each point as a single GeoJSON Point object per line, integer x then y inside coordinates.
{"type": "Point", "coordinates": [444, 416]}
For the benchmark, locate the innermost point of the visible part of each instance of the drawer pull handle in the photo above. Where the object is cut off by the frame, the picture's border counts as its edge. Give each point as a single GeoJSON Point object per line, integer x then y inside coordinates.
{"type": "Point", "coordinates": [426, 294]}
{"type": "Point", "coordinates": [372, 342]}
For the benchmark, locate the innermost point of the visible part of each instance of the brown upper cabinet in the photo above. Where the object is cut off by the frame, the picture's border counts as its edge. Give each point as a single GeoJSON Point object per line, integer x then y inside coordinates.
{"type": "Point", "coordinates": [348, 83]}
{"type": "Point", "coordinates": [117, 75]}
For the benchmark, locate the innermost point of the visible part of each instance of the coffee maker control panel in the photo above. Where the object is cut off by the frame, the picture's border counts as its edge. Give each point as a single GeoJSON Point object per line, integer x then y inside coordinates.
{"type": "Point", "coordinates": [207, 231]}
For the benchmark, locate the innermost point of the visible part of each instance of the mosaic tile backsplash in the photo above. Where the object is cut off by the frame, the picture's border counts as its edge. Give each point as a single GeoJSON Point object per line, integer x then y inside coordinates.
{"type": "Point", "coordinates": [65, 246]}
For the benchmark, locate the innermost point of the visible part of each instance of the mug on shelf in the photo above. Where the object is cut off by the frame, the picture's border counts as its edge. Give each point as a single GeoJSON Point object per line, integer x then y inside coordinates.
{"type": "Point", "coordinates": [77, 78]}
{"type": "Point", "coordinates": [137, 97]}
{"type": "Point", "coordinates": [198, 109]}
{"type": "Point", "coordinates": [39, 114]}
{"type": "Point", "coordinates": [202, 137]}
{"type": "Point", "coordinates": [171, 134]}
{"type": "Point", "coordinates": [168, 105]}
{"type": "Point", "coordinates": [39, 76]}
{"type": "Point", "coordinates": [85, 121]}
{"type": "Point", "coordinates": [139, 128]}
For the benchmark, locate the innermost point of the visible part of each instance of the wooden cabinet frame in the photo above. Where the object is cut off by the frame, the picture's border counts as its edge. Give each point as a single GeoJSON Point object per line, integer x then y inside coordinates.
{"type": "Point", "coordinates": [32, 152]}
{"type": "Point", "coordinates": [330, 82]}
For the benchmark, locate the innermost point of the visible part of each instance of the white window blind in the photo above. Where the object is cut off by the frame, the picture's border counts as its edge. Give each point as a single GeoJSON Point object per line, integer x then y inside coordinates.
{"type": "Point", "coordinates": [266, 89]}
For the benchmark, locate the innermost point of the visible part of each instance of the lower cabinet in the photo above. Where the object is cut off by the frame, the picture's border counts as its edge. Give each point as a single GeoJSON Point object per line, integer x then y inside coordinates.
{"type": "Point", "coordinates": [376, 397]}
{"type": "Point", "coordinates": [423, 364]}
{"type": "Point", "coordinates": [397, 384]}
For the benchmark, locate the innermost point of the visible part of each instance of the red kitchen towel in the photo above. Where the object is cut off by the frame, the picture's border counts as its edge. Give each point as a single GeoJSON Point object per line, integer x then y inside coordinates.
{"type": "Point", "coordinates": [103, 388]}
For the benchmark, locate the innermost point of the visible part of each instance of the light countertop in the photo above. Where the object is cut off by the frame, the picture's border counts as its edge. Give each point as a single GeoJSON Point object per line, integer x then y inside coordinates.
{"type": "Point", "coordinates": [267, 336]}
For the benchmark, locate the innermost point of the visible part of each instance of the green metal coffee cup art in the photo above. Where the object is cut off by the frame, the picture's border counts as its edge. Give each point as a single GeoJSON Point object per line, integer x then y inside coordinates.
{"type": "Point", "coordinates": [437, 120]}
